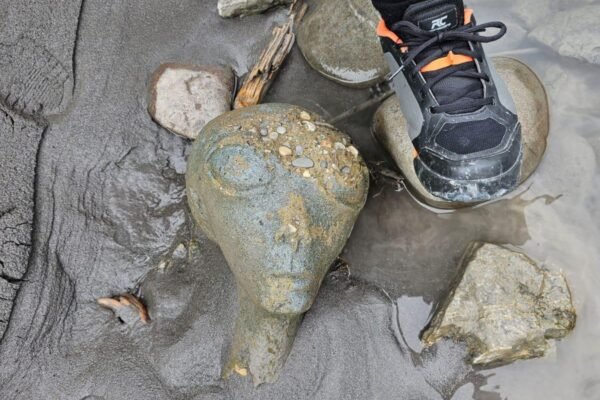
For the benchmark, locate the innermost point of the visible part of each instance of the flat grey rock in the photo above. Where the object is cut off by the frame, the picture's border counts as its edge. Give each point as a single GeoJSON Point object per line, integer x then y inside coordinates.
{"type": "Point", "coordinates": [574, 32]}
{"type": "Point", "coordinates": [504, 307]}
{"type": "Point", "coordinates": [236, 8]}
{"type": "Point", "coordinates": [389, 127]}
{"type": "Point", "coordinates": [337, 38]}
{"type": "Point", "coordinates": [184, 98]}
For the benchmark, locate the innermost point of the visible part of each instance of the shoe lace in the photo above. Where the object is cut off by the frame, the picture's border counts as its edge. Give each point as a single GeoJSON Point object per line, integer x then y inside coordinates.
{"type": "Point", "coordinates": [429, 46]}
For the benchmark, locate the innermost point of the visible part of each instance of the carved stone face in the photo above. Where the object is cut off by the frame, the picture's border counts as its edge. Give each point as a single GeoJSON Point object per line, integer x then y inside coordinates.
{"type": "Point", "coordinates": [279, 226]}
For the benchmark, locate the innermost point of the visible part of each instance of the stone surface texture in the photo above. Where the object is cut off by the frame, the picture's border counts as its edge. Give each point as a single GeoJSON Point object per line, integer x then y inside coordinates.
{"type": "Point", "coordinates": [280, 219]}
{"type": "Point", "coordinates": [236, 8]}
{"type": "Point", "coordinates": [348, 50]}
{"type": "Point", "coordinates": [184, 98]}
{"type": "Point", "coordinates": [503, 306]}
{"type": "Point", "coordinates": [389, 126]}
{"type": "Point", "coordinates": [572, 32]}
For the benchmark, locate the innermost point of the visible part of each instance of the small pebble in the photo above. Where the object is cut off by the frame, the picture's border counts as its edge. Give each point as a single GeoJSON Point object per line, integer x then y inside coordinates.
{"type": "Point", "coordinates": [180, 251]}
{"type": "Point", "coordinates": [305, 116]}
{"type": "Point", "coordinates": [306, 174]}
{"type": "Point", "coordinates": [353, 151]}
{"type": "Point", "coordinates": [323, 164]}
{"type": "Point", "coordinates": [303, 162]}
{"type": "Point", "coordinates": [299, 150]}
{"type": "Point", "coordinates": [285, 151]}
{"type": "Point", "coordinates": [346, 170]}
{"type": "Point", "coordinates": [339, 146]}
{"type": "Point", "coordinates": [264, 131]}
{"type": "Point", "coordinates": [292, 228]}
{"type": "Point", "coordinates": [237, 127]}
{"type": "Point", "coordinates": [252, 130]}
{"type": "Point", "coordinates": [281, 130]}
{"type": "Point", "coordinates": [309, 126]}
{"type": "Point", "coordinates": [273, 135]}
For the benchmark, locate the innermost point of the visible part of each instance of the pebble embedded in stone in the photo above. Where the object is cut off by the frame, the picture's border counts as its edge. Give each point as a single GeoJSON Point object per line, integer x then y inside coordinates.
{"type": "Point", "coordinates": [339, 146]}
{"type": "Point", "coordinates": [306, 174]}
{"type": "Point", "coordinates": [305, 116]}
{"type": "Point", "coordinates": [285, 151]}
{"type": "Point", "coordinates": [281, 130]}
{"type": "Point", "coordinates": [303, 162]}
{"type": "Point", "coordinates": [264, 131]}
{"type": "Point", "coordinates": [273, 135]}
{"type": "Point", "coordinates": [345, 170]}
{"type": "Point", "coordinates": [299, 150]}
{"type": "Point", "coordinates": [323, 164]}
{"type": "Point", "coordinates": [311, 127]}
{"type": "Point", "coordinates": [353, 150]}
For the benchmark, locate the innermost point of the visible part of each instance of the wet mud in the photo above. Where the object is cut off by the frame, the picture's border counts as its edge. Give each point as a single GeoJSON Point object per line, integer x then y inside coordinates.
{"type": "Point", "coordinates": [95, 206]}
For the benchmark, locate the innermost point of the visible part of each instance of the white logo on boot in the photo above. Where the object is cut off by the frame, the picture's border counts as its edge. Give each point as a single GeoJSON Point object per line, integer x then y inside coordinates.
{"type": "Point", "coordinates": [439, 23]}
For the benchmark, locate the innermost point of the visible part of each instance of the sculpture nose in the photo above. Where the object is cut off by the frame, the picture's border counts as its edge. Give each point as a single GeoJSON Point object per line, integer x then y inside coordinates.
{"type": "Point", "coordinates": [295, 224]}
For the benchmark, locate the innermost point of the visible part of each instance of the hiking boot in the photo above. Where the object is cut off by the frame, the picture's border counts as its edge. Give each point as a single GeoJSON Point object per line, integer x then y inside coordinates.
{"type": "Point", "coordinates": [461, 118]}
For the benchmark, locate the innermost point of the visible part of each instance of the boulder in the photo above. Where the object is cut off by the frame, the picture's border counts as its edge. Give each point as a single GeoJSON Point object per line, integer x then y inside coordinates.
{"type": "Point", "coordinates": [389, 127]}
{"type": "Point", "coordinates": [337, 38]}
{"type": "Point", "coordinates": [503, 306]}
{"type": "Point", "coordinates": [236, 8]}
{"type": "Point", "coordinates": [184, 98]}
{"type": "Point", "coordinates": [573, 33]}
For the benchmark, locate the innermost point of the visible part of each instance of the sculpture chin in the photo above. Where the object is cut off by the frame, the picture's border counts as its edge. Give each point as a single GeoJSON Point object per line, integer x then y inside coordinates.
{"type": "Point", "coordinates": [289, 297]}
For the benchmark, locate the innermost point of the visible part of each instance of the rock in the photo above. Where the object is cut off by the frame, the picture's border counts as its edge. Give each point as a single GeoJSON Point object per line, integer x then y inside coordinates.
{"type": "Point", "coordinates": [504, 307]}
{"type": "Point", "coordinates": [303, 162]}
{"type": "Point", "coordinates": [573, 33]}
{"type": "Point", "coordinates": [235, 8]}
{"type": "Point", "coordinates": [389, 127]}
{"type": "Point", "coordinates": [279, 227]}
{"type": "Point", "coordinates": [184, 98]}
{"type": "Point", "coordinates": [273, 135]}
{"type": "Point", "coordinates": [337, 38]}
{"type": "Point", "coordinates": [285, 151]}
{"type": "Point", "coordinates": [311, 127]}
{"type": "Point", "coordinates": [305, 116]}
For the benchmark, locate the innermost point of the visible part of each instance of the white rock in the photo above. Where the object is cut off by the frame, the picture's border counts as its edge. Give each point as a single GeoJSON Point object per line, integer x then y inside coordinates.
{"type": "Point", "coordinates": [234, 8]}
{"type": "Point", "coordinates": [184, 98]}
{"type": "Point", "coordinates": [573, 33]}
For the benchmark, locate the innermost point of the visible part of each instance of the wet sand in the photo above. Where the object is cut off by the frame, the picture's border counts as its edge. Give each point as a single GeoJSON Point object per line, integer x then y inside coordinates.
{"type": "Point", "coordinates": [110, 209]}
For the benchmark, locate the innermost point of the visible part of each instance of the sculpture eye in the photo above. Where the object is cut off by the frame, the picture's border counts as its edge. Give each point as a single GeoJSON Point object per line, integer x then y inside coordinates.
{"type": "Point", "coordinates": [238, 168]}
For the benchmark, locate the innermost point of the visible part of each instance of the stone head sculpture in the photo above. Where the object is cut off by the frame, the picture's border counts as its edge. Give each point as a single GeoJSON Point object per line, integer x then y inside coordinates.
{"type": "Point", "coordinates": [279, 191]}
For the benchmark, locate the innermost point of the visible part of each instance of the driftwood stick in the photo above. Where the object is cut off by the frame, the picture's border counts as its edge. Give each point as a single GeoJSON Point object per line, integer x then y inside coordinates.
{"type": "Point", "coordinates": [261, 77]}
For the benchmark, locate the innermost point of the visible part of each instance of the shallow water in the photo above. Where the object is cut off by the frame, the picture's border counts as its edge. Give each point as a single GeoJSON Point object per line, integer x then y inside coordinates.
{"type": "Point", "coordinates": [554, 217]}
{"type": "Point", "coordinates": [110, 209]}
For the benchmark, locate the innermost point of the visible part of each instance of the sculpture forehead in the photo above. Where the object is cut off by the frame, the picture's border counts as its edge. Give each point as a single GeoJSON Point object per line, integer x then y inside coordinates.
{"type": "Point", "coordinates": [282, 138]}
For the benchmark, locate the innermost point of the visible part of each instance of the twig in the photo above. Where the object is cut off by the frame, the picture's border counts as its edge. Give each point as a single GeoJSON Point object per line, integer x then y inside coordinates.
{"type": "Point", "coordinates": [261, 77]}
{"type": "Point", "coordinates": [361, 107]}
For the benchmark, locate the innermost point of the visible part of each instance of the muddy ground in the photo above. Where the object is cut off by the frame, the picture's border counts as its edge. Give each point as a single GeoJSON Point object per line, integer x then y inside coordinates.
{"type": "Point", "coordinates": [94, 205]}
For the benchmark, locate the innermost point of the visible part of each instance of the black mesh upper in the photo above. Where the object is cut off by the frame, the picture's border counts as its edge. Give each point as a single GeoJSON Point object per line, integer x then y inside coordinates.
{"type": "Point", "coordinates": [471, 137]}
